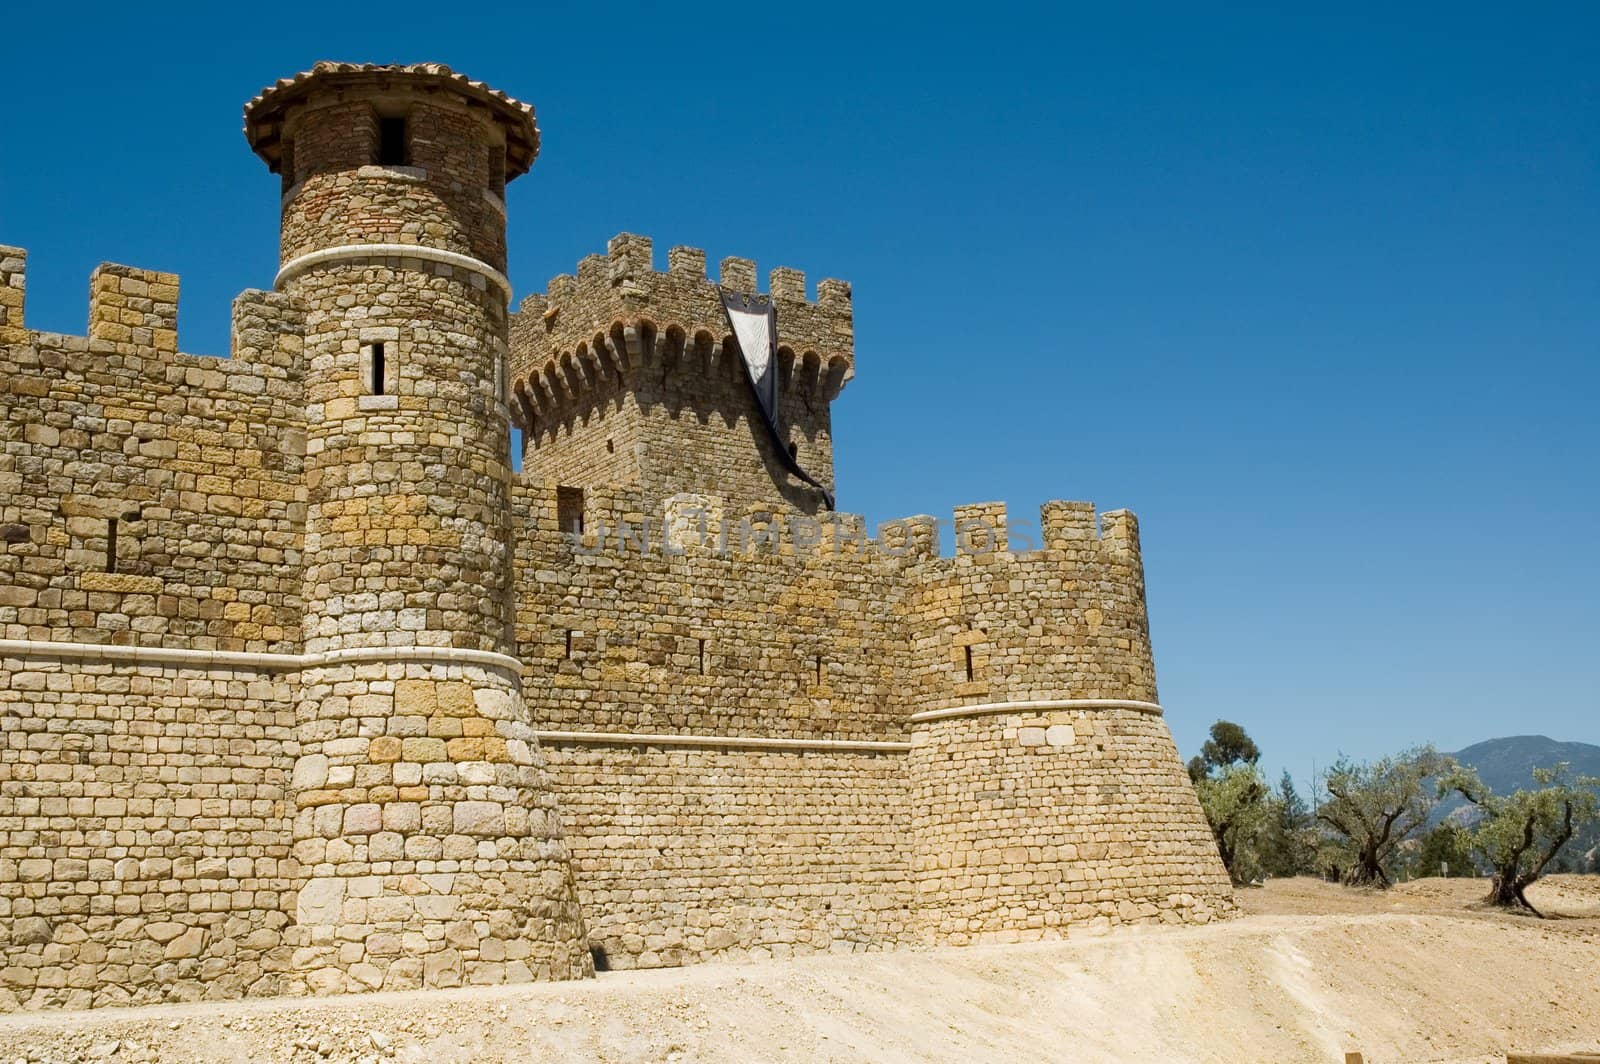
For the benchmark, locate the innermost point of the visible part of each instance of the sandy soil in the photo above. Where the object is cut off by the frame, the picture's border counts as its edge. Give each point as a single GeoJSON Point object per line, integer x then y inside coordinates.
{"type": "Point", "coordinates": [1562, 899]}
{"type": "Point", "coordinates": [1413, 974]}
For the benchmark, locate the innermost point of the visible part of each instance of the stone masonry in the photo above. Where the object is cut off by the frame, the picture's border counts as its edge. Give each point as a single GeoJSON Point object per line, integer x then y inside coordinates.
{"type": "Point", "coordinates": [303, 690]}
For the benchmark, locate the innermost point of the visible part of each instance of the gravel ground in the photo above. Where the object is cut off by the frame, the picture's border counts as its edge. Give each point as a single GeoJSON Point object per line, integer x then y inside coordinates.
{"type": "Point", "coordinates": [1413, 974]}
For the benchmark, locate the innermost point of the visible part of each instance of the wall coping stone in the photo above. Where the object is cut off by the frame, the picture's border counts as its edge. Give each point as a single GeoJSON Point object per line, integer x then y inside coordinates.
{"type": "Point", "coordinates": [984, 709]}
{"type": "Point", "coordinates": [107, 653]}
{"type": "Point", "coordinates": [298, 265]}
{"type": "Point", "coordinates": [745, 741]}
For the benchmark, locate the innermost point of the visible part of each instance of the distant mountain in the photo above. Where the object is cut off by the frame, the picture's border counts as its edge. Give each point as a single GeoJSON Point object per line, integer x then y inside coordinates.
{"type": "Point", "coordinates": [1506, 765]}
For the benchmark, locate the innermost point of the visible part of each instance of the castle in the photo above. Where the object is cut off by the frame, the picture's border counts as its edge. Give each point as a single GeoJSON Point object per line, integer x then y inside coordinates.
{"type": "Point", "coordinates": [303, 690]}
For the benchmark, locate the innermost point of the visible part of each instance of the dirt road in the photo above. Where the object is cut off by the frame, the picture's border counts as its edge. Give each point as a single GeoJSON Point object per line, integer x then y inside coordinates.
{"type": "Point", "coordinates": [1407, 975]}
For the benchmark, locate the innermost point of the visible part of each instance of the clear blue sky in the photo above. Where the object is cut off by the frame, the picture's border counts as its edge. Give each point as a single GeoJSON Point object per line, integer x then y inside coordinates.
{"type": "Point", "coordinates": [1315, 296]}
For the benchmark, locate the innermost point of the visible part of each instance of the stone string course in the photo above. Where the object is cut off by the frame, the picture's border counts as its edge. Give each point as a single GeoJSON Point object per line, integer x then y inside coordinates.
{"type": "Point", "coordinates": [358, 797]}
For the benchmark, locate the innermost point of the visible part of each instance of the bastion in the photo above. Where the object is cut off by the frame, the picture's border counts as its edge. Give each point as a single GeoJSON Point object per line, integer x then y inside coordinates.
{"type": "Point", "coordinates": [304, 690]}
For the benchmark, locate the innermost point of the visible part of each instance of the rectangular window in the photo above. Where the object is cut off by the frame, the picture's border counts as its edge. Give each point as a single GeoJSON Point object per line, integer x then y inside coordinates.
{"type": "Point", "coordinates": [111, 545]}
{"type": "Point", "coordinates": [569, 509]}
{"type": "Point", "coordinates": [392, 142]}
{"type": "Point", "coordinates": [377, 369]}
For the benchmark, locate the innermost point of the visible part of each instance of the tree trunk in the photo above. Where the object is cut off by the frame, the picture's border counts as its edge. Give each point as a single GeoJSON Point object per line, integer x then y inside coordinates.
{"type": "Point", "coordinates": [1226, 853]}
{"type": "Point", "coordinates": [1503, 891]}
{"type": "Point", "coordinates": [1506, 891]}
{"type": "Point", "coordinates": [1367, 871]}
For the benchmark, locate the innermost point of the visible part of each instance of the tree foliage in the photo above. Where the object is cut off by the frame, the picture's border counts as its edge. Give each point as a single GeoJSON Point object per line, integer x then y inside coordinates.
{"type": "Point", "coordinates": [1520, 834]}
{"type": "Point", "coordinates": [1289, 839]}
{"type": "Point", "coordinates": [1234, 800]}
{"type": "Point", "coordinates": [1373, 807]}
{"type": "Point", "coordinates": [1227, 746]}
{"type": "Point", "coordinates": [1446, 851]}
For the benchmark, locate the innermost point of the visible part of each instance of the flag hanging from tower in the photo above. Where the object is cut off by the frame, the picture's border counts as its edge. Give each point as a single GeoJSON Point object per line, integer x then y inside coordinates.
{"type": "Point", "coordinates": [754, 321]}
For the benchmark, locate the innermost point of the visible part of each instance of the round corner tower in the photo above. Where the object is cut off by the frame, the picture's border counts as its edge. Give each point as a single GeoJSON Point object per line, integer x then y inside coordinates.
{"type": "Point", "coordinates": [429, 847]}
{"type": "Point", "coordinates": [1045, 787]}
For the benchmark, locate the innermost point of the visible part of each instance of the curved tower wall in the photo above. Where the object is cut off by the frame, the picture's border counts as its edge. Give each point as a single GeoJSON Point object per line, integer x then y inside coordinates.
{"type": "Point", "coordinates": [1044, 786]}
{"type": "Point", "coordinates": [430, 847]}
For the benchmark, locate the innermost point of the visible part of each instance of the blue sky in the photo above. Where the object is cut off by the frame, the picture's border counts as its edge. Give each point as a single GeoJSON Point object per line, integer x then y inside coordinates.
{"type": "Point", "coordinates": [1314, 295]}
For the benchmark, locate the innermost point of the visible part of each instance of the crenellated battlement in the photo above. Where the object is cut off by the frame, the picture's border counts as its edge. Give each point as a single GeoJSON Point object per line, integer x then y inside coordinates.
{"type": "Point", "coordinates": [619, 314]}
{"type": "Point", "coordinates": [133, 319]}
{"type": "Point", "coordinates": [621, 521]}
{"type": "Point", "coordinates": [13, 292]}
{"type": "Point", "coordinates": [1063, 526]}
{"type": "Point", "coordinates": [128, 305]}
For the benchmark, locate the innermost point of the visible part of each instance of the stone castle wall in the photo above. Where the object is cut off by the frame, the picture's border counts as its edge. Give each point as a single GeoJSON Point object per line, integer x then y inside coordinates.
{"type": "Point", "coordinates": [144, 832]}
{"type": "Point", "coordinates": [618, 637]}
{"type": "Point", "coordinates": [428, 841]}
{"type": "Point", "coordinates": [197, 461]}
{"type": "Point", "coordinates": [800, 691]}
{"type": "Point", "coordinates": [145, 850]}
{"type": "Point", "coordinates": [302, 691]}
{"type": "Point", "coordinates": [789, 801]}
{"type": "Point", "coordinates": [1030, 821]}
{"type": "Point", "coordinates": [689, 853]}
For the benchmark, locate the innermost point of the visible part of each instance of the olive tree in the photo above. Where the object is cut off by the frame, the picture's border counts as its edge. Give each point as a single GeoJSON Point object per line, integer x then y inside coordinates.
{"type": "Point", "coordinates": [1234, 800]}
{"type": "Point", "coordinates": [1233, 795]}
{"type": "Point", "coordinates": [1521, 833]}
{"type": "Point", "coordinates": [1372, 807]}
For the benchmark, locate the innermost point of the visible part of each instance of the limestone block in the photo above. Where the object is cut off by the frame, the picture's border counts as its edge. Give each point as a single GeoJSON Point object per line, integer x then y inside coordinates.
{"type": "Point", "coordinates": [320, 901]}
{"type": "Point", "coordinates": [363, 819]}
{"type": "Point", "coordinates": [188, 944]}
{"type": "Point", "coordinates": [480, 818]}
{"type": "Point", "coordinates": [310, 772]}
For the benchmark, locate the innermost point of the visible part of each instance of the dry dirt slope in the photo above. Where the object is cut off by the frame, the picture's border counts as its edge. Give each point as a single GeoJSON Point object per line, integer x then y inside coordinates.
{"type": "Point", "coordinates": [1431, 981]}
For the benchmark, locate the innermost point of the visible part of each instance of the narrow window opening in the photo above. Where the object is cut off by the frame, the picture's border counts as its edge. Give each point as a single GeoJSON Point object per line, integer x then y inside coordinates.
{"type": "Point", "coordinates": [377, 369]}
{"type": "Point", "coordinates": [569, 509]}
{"type": "Point", "coordinates": [497, 170]}
{"type": "Point", "coordinates": [702, 657]}
{"type": "Point", "coordinates": [969, 663]}
{"type": "Point", "coordinates": [794, 449]}
{"type": "Point", "coordinates": [569, 644]}
{"type": "Point", "coordinates": [286, 165]}
{"type": "Point", "coordinates": [819, 670]}
{"type": "Point", "coordinates": [392, 142]}
{"type": "Point", "coordinates": [113, 536]}
{"type": "Point", "coordinates": [611, 447]}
